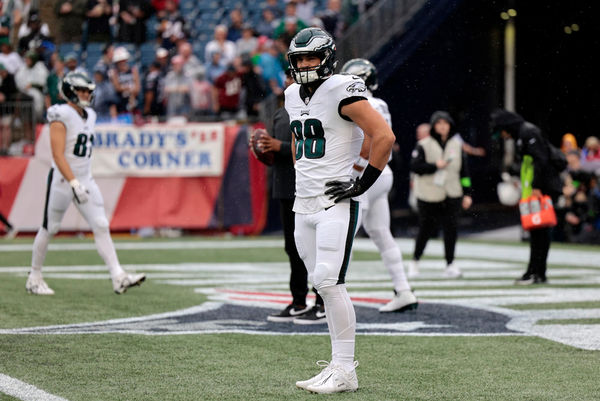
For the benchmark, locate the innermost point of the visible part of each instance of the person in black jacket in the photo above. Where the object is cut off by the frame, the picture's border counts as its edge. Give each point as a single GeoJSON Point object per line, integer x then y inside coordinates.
{"type": "Point", "coordinates": [283, 189]}
{"type": "Point", "coordinates": [533, 152]}
{"type": "Point", "coordinates": [442, 186]}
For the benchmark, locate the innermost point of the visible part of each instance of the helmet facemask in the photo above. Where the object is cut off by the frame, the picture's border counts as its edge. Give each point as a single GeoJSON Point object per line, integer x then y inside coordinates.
{"type": "Point", "coordinates": [73, 82]}
{"type": "Point", "coordinates": [314, 42]}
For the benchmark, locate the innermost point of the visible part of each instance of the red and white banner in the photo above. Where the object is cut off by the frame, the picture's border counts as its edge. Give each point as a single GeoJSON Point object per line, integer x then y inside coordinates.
{"type": "Point", "coordinates": [158, 150]}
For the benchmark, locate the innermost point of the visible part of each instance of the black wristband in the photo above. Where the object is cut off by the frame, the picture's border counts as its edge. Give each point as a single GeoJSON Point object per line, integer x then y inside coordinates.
{"type": "Point", "coordinates": [368, 178]}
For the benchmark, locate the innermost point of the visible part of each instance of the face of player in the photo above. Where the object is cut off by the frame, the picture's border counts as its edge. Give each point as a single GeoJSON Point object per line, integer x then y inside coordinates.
{"type": "Point", "coordinates": [307, 61]}
{"type": "Point", "coordinates": [83, 94]}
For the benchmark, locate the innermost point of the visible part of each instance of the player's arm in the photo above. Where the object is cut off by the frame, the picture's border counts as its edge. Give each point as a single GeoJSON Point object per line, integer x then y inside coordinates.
{"type": "Point", "coordinates": [293, 148]}
{"type": "Point", "coordinates": [375, 128]}
{"type": "Point", "coordinates": [58, 140]}
{"type": "Point", "coordinates": [382, 138]}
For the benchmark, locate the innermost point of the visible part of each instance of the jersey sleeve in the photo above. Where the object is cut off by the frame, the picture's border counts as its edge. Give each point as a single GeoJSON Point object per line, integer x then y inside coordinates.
{"type": "Point", "coordinates": [54, 114]}
{"type": "Point", "coordinates": [347, 90]}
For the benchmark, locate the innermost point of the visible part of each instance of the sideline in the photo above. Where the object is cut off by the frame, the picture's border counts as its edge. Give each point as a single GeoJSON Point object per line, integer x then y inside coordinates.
{"type": "Point", "coordinates": [23, 391]}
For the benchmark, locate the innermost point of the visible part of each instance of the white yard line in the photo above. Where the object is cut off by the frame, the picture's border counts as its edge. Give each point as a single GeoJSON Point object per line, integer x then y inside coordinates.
{"type": "Point", "coordinates": [23, 391]}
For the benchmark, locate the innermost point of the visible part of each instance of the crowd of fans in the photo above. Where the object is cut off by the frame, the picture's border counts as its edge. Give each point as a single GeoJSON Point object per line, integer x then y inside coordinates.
{"type": "Point", "coordinates": [241, 66]}
{"type": "Point", "coordinates": [579, 206]}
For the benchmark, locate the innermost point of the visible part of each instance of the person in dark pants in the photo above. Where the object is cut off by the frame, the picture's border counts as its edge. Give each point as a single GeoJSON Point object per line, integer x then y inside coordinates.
{"type": "Point", "coordinates": [283, 187]}
{"type": "Point", "coordinates": [442, 186]}
{"type": "Point", "coordinates": [538, 176]}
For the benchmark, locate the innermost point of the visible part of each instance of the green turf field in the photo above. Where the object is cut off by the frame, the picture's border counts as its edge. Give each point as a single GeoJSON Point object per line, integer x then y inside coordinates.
{"type": "Point", "coordinates": [196, 329]}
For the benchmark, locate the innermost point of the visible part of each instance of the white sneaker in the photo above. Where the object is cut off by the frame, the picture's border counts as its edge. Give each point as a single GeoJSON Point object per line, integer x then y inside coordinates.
{"type": "Point", "coordinates": [402, 301]}
{"type": "Point", "coordinates": [413, 269]}
{"type": "Point", "coordinates": [337, 380]}
{"type": "Point", "coordinates": [452, 271]}
{"type": "Point", "coordinates": [305, 383]}
{"type": "Point", "coordinates": [36, 285]}
{"type": "Point", "coordinates": [126, 280]}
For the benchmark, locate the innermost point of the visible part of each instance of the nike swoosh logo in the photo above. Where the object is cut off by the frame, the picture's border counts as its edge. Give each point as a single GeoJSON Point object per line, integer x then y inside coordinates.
{"type": "Point", "coordinates": [295, 312]}
{"type": "Point", "coordinates": [320, 314]}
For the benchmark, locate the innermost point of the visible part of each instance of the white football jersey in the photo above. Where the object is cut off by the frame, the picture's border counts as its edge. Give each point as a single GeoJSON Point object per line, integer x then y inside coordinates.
{"type": "Point", "coordinates": [80, 137]}
{"type": "Point", "coordinates": [327, 144]}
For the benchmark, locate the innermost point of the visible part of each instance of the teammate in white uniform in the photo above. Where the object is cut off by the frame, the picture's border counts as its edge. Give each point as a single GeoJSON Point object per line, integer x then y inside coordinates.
{"type": "Point", "coordinates": [70, 180]}
{"type": "Point", "coordinates": [375, 209]}
{"type": "Point", "coordinates": [324, 111]}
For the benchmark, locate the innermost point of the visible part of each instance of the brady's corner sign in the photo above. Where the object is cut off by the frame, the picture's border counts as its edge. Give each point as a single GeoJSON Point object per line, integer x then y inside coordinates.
{"type": "Point", "coordinates": [158, 150]}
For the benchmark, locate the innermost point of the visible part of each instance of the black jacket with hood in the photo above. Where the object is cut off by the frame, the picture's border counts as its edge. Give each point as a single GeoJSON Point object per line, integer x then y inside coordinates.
{"type": "Point", "coordinates": [530, 141]}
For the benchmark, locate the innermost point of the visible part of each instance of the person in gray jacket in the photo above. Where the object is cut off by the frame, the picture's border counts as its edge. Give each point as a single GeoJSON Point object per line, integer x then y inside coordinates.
{"type": "Point", "coordinates": [442, 186]}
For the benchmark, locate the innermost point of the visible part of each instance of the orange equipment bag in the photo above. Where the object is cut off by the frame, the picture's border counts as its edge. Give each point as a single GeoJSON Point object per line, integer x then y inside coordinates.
{"type": "Point", "coordinates": [537, 212]}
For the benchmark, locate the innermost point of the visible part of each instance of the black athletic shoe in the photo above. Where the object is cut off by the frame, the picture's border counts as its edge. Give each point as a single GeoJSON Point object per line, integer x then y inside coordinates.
{"type": "Point", "coordinates": [539, 279]}
{"type": "Point", "coordinates": [289, 313]}
{"type": "Point", "coordinates": [525, 279]}
{"type": "Point", "coordinates": [314, 316]}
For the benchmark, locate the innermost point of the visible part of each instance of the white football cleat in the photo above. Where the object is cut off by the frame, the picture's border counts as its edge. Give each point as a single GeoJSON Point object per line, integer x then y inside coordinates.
{"type": "Point", "coordinates": [125, 280]}
{"type": "Point", "coordinates": [402, 301]}
{"type": "Point", "coordinates": [413, 269]}
{"type": "Point", "coordinates": [326, 368]}
{"type": "Point", "coordinates": [337, 380]}
{"type": "Point", "coordinates": [36, 285]}
{"type": "Point", "coordinates": [452, 271]}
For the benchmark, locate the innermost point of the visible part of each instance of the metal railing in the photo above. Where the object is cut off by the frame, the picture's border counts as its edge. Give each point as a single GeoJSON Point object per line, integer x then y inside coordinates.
{"type": "Point", "coordinates": [376, 27]}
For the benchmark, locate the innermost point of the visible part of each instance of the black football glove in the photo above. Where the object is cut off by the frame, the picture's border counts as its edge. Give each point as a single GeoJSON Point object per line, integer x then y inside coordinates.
{"type": "Point", "coordinates": [340, 190]}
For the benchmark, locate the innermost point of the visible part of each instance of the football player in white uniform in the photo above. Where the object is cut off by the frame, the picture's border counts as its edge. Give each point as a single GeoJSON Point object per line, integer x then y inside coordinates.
{"type": "Point", "coordinates": [375, 209]}
{"type": "Point", "coordinates": [70, 180]}
{"type": "Point", "coordinates": [324, 109]}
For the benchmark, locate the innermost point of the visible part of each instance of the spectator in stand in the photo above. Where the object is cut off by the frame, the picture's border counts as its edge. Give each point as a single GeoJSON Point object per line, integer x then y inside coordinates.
{"type": "Point", "coordinates": [177, 90]}
{"type": "Point", "coordinates": [173, 26]}
{"type": "Point", "coordinates": [98, 15]}
{"type": "Point", "coordinates": [331, 18]}
{"type": "Point", "coordinates": [132, 20]}
{"type": "Point", "coordinates": [568, 143]}
{"type": "Point", "coordinates": [236, 25]}
{"type": "Point", "coordinates": [5, 24]}
{"type": "Point", "coordinates": [305, 9]}
{"type": "Point", "coordinates": [105, 99]}
{"type": "Point", "coordinates": [190, 62]}
{"type": "Point", "coordinates": [215, 66]}
{"type": "Point", "coordinates": [289, 21]}
{"type": "Point", "coordinates": [70, 16]}
{"type": "Point", "coordinates": [154, 91]}
{"type": "Point", "coordinates": [220, 43]}
{"type": "Point", "coordinates": [9, 58]}
{"type": "Point", "coordinates": [54, 80]}
{"type": "Point", "coordinates": [254, 88]}
{"type": "Point", "coordinates": [576, 192]}
{"type": "Point", "coordinates": [126, 80]}
{"type": "Point", "coordinates": [226, 92]}
{"type": "Point", "coordinates": [273, 6]}
{"type": "Point", "coordinates": [590, 155]}
{"type": "Point", "coordinates": [36, 38]}
{"type": "Point", "coordinates": [105, 62]}
{"type": "Point", "coordinates": [31, 80]}
{"type": "Point", "coordinates": [19, 13]}
{"type": "Point", "coordinates": [163, 57]}
{"type": "Point", "coordinates": [160, 7]}
{"type": "Point", "coordinates": [271, 70]}
{"type": "Point", "coordinates": [248, 43]}
{"type": "Point", "coordinates": [266, 25]}
{"type": "Point", "coordinates": [25, 29]}
{"type": "Point", "coordinates": [9, 93]}
{"type": "Point", "coordinates": [201, 95]}
{"type": "Point", "coordinates": [72, 65]}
